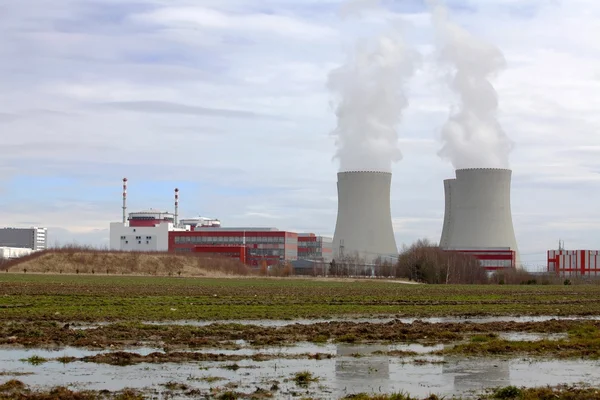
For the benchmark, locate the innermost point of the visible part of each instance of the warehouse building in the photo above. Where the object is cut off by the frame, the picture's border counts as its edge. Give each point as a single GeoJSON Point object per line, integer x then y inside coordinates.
{"type": "Point", "coordinates": [269, 244]}
{"type": "Point", "coordinates": [574, 262]}
{"type": "Point", "coordinates": [9, 253]}
{"type": "Point", "coordinates": [491, 258]}
{"type": "Point", "coordinates": [34, 238]}
{"type": "Point", "coordinates": [313, 247]}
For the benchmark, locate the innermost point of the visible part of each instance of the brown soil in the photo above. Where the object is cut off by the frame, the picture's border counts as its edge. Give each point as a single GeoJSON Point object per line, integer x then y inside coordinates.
{"type": "Point", "coordinates": [119, 335]}
{"type": "Point", "coordinates": [129, 358]}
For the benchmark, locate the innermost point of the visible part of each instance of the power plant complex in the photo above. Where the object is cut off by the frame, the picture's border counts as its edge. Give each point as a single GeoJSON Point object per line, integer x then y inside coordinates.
{"type": "Point", "coordinates": [158, 230]}
{"type": "Point", "coordinates": [477, 218]}
{"type": "Point", "coordinates": [477, 221]}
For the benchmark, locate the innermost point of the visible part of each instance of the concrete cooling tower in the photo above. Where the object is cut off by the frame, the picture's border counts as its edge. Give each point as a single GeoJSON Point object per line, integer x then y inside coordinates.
{"type": "Point", "coordinates": [477, 213]}
{"type": "Point", "coordinates": [364, 220]}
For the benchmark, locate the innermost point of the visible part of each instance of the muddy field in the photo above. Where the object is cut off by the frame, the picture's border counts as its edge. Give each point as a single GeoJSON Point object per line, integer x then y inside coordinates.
{"type": "Point", "coordinates": [123, 337]}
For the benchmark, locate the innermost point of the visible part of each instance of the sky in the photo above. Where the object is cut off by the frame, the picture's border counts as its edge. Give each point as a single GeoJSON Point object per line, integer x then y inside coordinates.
{"type": "Point", "coordinates": [228, 101]}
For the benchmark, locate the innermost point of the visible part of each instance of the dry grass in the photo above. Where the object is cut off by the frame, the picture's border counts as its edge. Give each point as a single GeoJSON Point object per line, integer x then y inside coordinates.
{"type": "Point", "coordinates": [104, 262]}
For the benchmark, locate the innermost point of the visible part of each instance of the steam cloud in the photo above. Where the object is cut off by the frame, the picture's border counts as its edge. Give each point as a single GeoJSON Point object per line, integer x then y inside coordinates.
{"type": "Point", "coordinates": [472, 136]}
{"type": "Point", "coordinates": [369, 97]}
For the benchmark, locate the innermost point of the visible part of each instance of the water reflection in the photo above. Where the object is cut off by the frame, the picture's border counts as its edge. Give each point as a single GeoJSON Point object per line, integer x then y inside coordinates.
{"type": "Point", "coordinates": [363, 368]}
{"type": "Point", "coordinates": [372, 372]}
{"type": "Point", "coordinates": [469, 375]}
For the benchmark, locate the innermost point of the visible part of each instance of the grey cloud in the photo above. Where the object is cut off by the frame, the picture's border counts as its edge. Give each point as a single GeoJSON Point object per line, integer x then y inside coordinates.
{"type": "Point", "coordinates": [6, 117]}
{"type": "Point", "coordinates": [164, 107]}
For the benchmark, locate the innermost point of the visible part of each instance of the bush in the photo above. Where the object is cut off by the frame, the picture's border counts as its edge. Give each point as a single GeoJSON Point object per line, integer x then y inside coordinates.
{"type": "Point", "coordinates": [428, 263]}
{"type": "Point", "coordinates": [508, 392]}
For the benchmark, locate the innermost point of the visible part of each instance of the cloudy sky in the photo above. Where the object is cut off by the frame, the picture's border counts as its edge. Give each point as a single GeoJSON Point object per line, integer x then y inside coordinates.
{"type": "Point", "coordinates": [227, 100]}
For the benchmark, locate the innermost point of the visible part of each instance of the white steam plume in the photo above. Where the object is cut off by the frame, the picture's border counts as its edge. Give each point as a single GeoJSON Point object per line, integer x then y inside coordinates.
{"type": "Point", "coordinates": [472, 136]}
{"type": "Point", "coordinates": [369, 97]}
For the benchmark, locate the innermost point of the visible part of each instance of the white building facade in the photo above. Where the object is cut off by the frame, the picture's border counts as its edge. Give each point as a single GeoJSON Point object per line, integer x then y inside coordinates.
{"type": "Point", "coordinates": [9, 253]}
{"type": "Point", "coordinates": [139, 238]}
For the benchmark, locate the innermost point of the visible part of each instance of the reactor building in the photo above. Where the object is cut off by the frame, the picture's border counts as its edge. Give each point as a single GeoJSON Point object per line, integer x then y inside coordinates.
{"type": "Point", "coordinates": [364, 220]}
{"type": "Point", "coordinates": [477, 215]}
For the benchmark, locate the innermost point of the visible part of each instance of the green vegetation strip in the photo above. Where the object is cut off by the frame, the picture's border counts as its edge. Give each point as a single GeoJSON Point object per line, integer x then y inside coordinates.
{"type": "Point", "coordinates": [583, 342]}
{"type": "Point", "coordinates": [111, 298]}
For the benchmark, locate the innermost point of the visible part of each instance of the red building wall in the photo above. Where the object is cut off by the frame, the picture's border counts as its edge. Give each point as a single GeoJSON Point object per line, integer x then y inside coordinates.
{"type": "Point", "coordinates": [145, 222]}
{"type": "Point", "coordinates": [259, 244]}
{"type": "Point", "coordinates": [492, 259]}
{"type": "Point", "coordinates": [237, 252]}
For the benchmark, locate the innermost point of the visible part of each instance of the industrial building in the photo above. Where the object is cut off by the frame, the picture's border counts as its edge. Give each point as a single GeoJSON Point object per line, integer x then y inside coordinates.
{"type": "Point", "coordinates": [24, 238]}
{"type": "Point", "coordinates": [364, 221]}
{"type": "Point", "coordinates": [145, 231]}
{"type": "Point", "coordinates": [269, 244]}
{"type": "Point", "coordinates": [313, 247]}
{"type": "Point", "coordinates": [478, 218]}
{"type": "Point", "coordinates": [9, 253]}
{"type": "Point", "coordinates": [585, 263]}
{"type": "Point", "coordinates": [156, 230]}
{"type": "Point", "coordinates": [492, 259]}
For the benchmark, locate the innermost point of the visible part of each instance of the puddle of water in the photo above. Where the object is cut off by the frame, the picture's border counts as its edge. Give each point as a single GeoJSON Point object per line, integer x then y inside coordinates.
{"type": "Point", "coordinates": [373, 373]}
{"type": "Point", "coordinates": [12, 353]}
{"type": "Point", "coordinates": [381, 320]}
{"type": "Point", "coordinates": [433, 320]}
{"type": "Point", "coordinates": [531, 337]}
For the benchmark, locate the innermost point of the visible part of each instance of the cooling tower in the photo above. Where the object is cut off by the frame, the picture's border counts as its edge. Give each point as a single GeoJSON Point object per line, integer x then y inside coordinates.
{"type": "Point", "coordinates": [364, 220]}
{"type": "Point", "coordinates": [477, 212]}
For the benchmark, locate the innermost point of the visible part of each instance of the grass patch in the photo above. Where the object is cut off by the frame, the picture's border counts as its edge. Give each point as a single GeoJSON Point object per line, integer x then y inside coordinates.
{"type": "Point", "coordinates": [108, 298]}
{"type": "Point", "coordinates": [232, 367]}
{"type": "Point", "coordinates": [585, 343]}
{"type": "Point", "coordinates": [15, 389]}
{"type": "Point", "coordinates": [304, 378]}
{"type": "Point", "coordinates": [484, 338]}
{"type": "Point", "coordinates": [176, 386]}
{"type": "Point", "coordinates": [35, 360]}
{"type": "Point", "coordinates": [211, 379]}
{"type": "Point", "coordinates": [12, 385]}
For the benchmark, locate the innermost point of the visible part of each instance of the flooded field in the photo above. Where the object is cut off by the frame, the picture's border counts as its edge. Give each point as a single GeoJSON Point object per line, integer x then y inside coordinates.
{"type": "Point", "coordinates": [290, 343]}
{"type": "Point", "coordinates": [353, 369]}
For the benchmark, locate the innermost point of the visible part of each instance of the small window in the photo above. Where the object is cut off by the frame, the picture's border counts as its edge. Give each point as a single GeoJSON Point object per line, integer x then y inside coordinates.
{"type": "Point", "coordinates": [147, 242]}
{"type": "Point", "coordinates": [140, 242]}
{"type": "Point", "coordinates": [127, 241]}
{"type": "Point", "coordinates": [134, 230]}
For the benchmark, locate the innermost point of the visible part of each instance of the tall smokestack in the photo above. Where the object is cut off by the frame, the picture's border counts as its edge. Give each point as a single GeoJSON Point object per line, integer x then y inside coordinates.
{"type": "Point", "coordinates": [478, 211]}
{"type": "Point", "coordinates": [364, 221]}
{"type": "Point", "coordinates": [124, 201]}
{"type": "Point", "coordinates": [176, 205]}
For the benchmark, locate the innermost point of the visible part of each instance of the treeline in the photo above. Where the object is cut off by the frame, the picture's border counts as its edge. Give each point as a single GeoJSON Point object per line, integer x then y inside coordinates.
{"type": "Point", "coordinates": [426, 262]}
